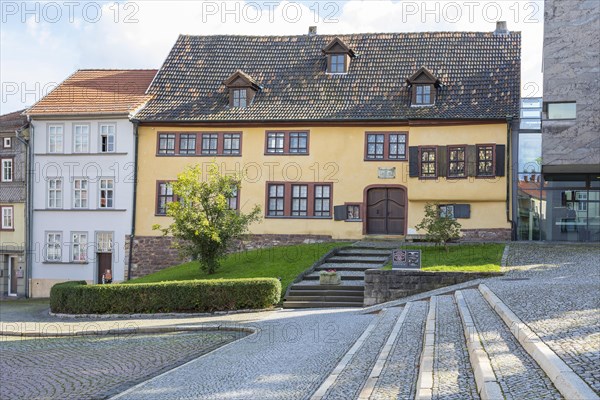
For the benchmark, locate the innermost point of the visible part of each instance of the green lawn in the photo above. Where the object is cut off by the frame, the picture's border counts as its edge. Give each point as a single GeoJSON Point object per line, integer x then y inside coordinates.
{"type": "Point", "coordinates": [285, 262]}
{"type": "Point", "coordinates": [463, 257]}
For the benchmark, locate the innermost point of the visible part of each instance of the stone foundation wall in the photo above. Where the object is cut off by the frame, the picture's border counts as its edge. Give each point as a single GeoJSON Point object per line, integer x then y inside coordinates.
{"type": "Point", "coordinates": [153, 253]}
{"type": "Point", "coordinates": [483, 235]}
{"type": "Point", "coordinates": [382, 286]}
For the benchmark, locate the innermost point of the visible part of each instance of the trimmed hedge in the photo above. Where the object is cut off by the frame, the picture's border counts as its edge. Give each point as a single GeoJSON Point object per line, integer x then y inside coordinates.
{"type": "Point", "coordinates": [76, 297]}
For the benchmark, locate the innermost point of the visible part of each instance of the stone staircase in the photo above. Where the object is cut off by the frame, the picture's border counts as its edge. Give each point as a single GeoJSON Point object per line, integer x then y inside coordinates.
{"type": "Point", "coordinates": [351, 263]}
{"type": "Point", "coordinates": [452, 346]}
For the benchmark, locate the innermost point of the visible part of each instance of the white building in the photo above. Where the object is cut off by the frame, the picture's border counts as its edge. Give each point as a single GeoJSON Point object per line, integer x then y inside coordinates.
{"type": "Point", "coordinates": [83, 147]}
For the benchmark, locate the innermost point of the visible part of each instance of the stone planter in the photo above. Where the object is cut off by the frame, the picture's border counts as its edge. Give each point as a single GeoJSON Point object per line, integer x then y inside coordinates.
{"type": "Point", "coordinates": [330, 279]}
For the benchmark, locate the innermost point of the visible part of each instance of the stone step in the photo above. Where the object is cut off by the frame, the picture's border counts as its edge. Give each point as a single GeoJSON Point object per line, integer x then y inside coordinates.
{"type": "Point", "coordinates": [357, 259]}
{"type": "Point", "coordinates": [350, 251]}
{"type": "Point", "coordinates": [347, 266]}
{"type": "Point", "coordinates": [352, 284]}
{"type": "Point", "coordinates": [321, 304]}
{"type": "Point", "coordinates": [345, 275]}
{"type": "Point", "coordinates": [312, 286]}
{"type": "Point", "coordinates": [324, 297]}
{"type": "Point", "coordinates": [347, 379]}
{"type": "Point", "coordinates": [359, 292]}
{"type": "Point", "coordinates": [515, 374]}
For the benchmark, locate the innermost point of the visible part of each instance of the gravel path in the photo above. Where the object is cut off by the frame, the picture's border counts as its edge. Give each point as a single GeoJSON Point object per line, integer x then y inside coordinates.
{"type": "Point", "coordinates": [399, 376]}
{"type": "Point", "coordinates": [293, 354]}
{"type": "Point", "coordinates": [352, 378]}
{"type": "Point", "coordinates": [95, 367]}
{"type": "Point", "coordinates": [452, 373]}
{"type": "Point", "coordinates": [518, 374]}
{"type": "Point", "coordinates": [558, 298]}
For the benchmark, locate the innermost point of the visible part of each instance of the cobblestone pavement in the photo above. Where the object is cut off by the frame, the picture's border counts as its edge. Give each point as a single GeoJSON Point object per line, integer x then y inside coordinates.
{"type": "Point", "coordinates": [350, 381]}
{"type": "Point", "coordinates": [517, 373]}
{"type": "Point", "coordinates": [288, 359]}
{"type": "Point", "coordinates": [452, 372]}
{"type": "Point", "coordinates": [95, 367]}
{"type": "Point", "coordinates": [399, 376]}
{"type": "Point", "coordinates": [559, 300]}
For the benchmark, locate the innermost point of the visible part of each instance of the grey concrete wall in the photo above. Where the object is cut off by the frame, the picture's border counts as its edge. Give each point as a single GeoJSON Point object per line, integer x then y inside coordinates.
{"type": "Point", "coordinates": [572, 72]}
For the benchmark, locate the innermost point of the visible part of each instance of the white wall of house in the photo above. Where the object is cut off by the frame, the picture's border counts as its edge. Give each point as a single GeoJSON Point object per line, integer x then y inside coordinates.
{"type": "Point", "coordinates": [71, 216]}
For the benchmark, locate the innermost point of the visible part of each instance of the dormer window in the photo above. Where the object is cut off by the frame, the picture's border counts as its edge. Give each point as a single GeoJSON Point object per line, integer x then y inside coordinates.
{"type": "Point", "coordinates": [242, 89]}
{"type": "Point", "coordinates": [239, 97]}
{"type": "Point", "coordinates": [423, 94]}
{"type": "Point", "coordinates": [422, 87]}
{"type": "Point", "coordinates": [338, 56]}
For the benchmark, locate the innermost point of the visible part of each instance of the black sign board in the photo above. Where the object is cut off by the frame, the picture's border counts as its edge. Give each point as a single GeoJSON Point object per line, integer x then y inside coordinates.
{"type": "Point", "coordinates": [406, 259]}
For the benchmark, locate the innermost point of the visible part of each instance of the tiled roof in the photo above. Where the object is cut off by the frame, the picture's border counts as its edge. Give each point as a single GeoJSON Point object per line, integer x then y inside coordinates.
{"type": "Point", "coordinates": [479, 73]}
{"type": "Point", "coordinates": [97, 91]}
{"type": "Point", "coordinates": [12, 121]}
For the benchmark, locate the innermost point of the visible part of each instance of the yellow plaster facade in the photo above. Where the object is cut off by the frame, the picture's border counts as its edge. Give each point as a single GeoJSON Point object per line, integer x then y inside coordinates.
{"type": "Point", "coordinates": [336, 155]}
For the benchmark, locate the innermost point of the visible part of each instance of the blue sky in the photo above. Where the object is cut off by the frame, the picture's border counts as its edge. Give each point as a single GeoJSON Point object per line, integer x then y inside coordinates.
{"type": "Point", "coordinates": [42, 43]}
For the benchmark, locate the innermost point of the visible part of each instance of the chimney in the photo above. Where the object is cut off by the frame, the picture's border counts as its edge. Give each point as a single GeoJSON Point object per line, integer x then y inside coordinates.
{"type": "Point", "coordinates": [312, 30]}
{"type": "Point", "coordinates": [501, 28]}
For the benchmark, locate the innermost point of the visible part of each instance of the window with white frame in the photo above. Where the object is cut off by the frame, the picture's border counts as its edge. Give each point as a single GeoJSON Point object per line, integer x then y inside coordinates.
{"type": "Point", "coordinates": [55, 193]}
{"type": "Point", "coordinates": [79, 246]}
{"type": "Point", "coordinates": [7, 143]}
{"type": "Point", "coordinates": [107, 192]}
{"type": "Point", "coordinates": [107, 138]}
{"type": "Point", "coordinates": [446, 211]}
{"type": "Point", "coordinates": [53, 246]}
{"type": "Point", "coordinates": [7, 218]}
{"type": "Point", "coordinates": [80, 193]}
{"type": "Point", "coordinates": [55, 139]}
{"type": "Point", "coordinates": [104, 242]}
{"type": "Point", "coordinates": [7, 170]}
{"type": "Point", "coordinates": [81, 138]}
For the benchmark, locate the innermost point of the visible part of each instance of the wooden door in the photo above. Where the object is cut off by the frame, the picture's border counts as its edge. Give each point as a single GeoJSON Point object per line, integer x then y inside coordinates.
{"type": "Point", "coordinates": [104, 263]}
{"type": "Point", "coordinates": [386, 211]}
{"type": "Point", "coordinates": [13, 276]}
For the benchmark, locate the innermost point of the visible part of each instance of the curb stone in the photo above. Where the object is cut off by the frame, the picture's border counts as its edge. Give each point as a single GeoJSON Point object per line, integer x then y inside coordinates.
{"type": "Point", "coordinates": [162, 315]}
{"type": "Point", "coordinates": [568, 383]}
{"type": "Point", "coordinates": [425, 379]}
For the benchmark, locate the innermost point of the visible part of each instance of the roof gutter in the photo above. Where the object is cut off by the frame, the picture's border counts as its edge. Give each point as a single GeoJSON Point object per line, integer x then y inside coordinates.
{"type": "Point", "coordinates": [133, 212]}
{"type": "Point", "coordinates": [28, 143]}
{"type": "Point", "coordinates": [513, 231]}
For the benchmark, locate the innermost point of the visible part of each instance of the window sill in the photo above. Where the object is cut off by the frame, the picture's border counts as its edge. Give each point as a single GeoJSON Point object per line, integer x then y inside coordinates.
{"type": "Point", "coordinates": [286, 154]}
{"type": "Point", "coordinates": [7, 229]}
{"type": "Point", "coordinates": [81, 154]}
{"type": "Point", "coordinates": [198, 155]}
{"type": "Point", "coordinates": [294, 217]}
{"type": "Point", "coordinates": [82, 209]}
{"type": "Point", "coordinates": [386, 159]}
{"type": "Point", "coordinates": [353, 220]}
{"type": "Point", "coordinates": [66, 262]}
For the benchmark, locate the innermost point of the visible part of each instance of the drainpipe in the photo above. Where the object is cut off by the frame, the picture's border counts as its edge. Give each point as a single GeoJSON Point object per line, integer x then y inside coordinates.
{"type": "Point", "coordinates": [28, 143]}
{"type": "Point", "coordinates": [135, 168]}
{"type": "Point", "coordinates": [509, 121]}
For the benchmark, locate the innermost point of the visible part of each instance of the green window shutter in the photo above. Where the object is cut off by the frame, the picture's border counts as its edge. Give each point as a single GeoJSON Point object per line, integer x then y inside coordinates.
{"type": "Point", "coordinates": [339, 213]}
{"type": "Point", "coordinates": [462, 211]}
{"type": "Point", "coordinates": [500, 159]}
{"type": "Point", "coordinates": [413, 161]}
{"type": "Point", "coordinates": [471, 160]}
{"type": "Point", "coordinates": [442, 161]}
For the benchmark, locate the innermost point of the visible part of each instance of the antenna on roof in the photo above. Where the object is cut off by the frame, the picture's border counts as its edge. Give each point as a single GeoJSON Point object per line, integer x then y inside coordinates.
{"type": "Point", "coordinates": [312, 30]}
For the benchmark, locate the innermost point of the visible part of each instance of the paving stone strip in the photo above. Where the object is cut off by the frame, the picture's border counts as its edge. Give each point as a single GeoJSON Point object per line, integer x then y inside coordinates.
{"type": "Point", "coordinates": [353, 377]}
{"type": "Point", "coordinates": [399, 376]}
{"type": "Point", "coordinates": [517, 373]}
{"type": "Point", "coordinates": [452, 372]}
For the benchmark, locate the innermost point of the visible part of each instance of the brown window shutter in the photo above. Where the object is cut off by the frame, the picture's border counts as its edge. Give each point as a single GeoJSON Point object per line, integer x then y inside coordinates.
{"type": "Point", "coordinates": [471, 160]}
{"type": "Point", "coordinates": [500, 159]}
{"type": "Point", "coordinates": [442, 161]}
{"type": "Point", "coordinates": [339, 213]}
{"type": "Point", "coordinates": [413, 161]}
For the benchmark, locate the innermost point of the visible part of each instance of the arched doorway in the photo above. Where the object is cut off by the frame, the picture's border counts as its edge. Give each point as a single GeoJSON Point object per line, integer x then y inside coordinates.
{"type": "Point", "coordinates": [385, 210]}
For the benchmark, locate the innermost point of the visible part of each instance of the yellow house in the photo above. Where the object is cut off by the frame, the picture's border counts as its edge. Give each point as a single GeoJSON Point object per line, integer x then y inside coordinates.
{"type": "Point", "coordinates": [340, 137]}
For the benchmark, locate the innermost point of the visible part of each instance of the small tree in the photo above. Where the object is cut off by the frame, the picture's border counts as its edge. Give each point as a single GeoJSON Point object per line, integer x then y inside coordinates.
{"type": "Point", "coordinates": [439, 229]}
{"type": "Point", "coordinates": [203, 223]}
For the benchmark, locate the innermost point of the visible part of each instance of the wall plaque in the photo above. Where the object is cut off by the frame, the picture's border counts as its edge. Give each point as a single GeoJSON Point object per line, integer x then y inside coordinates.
{"type": "Point", "coordinates": [406, 259]}
{"type": "Point", "coordinates": [386, 173]}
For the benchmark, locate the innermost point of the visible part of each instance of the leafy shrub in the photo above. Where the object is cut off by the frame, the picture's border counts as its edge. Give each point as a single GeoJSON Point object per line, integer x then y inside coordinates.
{"type": "Point", "coordinates": [439, 229]}
{"type": "Point", "coordinates": [76, 297]}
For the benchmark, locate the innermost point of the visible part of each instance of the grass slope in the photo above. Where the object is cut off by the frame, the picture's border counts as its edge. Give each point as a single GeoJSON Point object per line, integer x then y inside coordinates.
{"type": "Point", "coordinates": [285, 262]}
{"type": "Point", "coordinates": [463, 258]}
